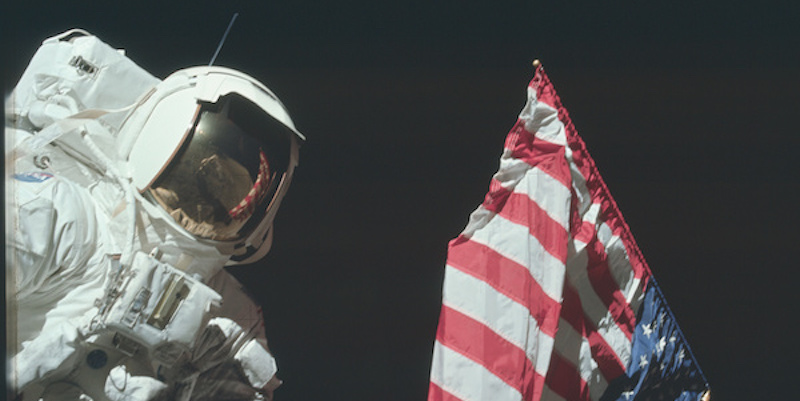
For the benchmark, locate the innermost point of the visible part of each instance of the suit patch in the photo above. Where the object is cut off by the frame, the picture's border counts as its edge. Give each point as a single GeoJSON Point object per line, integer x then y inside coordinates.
{"type": "Point", "coordinates": [33, 176]}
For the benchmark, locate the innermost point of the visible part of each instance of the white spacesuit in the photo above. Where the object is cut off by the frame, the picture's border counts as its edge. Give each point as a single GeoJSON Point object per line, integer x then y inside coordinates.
{"type": "Point", "coordinates": [127, 196]}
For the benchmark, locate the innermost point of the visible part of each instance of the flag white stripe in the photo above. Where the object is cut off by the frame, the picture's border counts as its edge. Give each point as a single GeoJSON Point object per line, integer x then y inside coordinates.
{"type": "Point", "coordinates": [569, 343]}
{"type": "Point", "coordinates": [593, 307]}
{"type": "Point", "coordinates": [467, 379]}
{"type": "Point", "coordinates": [542, 119]}
{"type": "Point", "coordinates": [575, 348]}
{"type": "Point", "coordinates": [511, 171]}
{"type": "Point", "coordinates": [514, 242]}
{"type": "Point", "coordinates": [618, 259]}
{"type": "Point", "coordinates": [620, 267]}
{"type": "Point", "coordinates": [547, 192]}
{"type": "Point", "coordinates": [510, 320]}
{"type": "Point", "coordinates": [583, 197]}
{"type": "Point", "coordinates": [549, 395]}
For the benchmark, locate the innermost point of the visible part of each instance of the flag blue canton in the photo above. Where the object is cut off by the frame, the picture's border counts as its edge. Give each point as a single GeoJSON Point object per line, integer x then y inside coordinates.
{"type": "Point", "coordinates": [662, 366]}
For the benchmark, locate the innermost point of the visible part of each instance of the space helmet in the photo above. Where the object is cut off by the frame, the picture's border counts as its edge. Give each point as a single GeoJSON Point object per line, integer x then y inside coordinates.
{"type": "Point", "coordinates": [216, 150]}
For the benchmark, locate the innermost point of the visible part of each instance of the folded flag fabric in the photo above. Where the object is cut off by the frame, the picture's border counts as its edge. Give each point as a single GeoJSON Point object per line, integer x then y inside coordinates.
{"type": "Point", "coordinates": [546, 295]}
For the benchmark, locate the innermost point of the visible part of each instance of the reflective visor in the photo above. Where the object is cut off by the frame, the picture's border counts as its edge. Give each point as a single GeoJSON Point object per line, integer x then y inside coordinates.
{"type": "Point", "coordinates": [222, 180]}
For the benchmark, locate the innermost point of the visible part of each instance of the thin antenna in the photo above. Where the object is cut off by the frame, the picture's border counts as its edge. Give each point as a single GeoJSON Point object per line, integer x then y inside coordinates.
{"type": "Point", "coordinates": [222, 41]}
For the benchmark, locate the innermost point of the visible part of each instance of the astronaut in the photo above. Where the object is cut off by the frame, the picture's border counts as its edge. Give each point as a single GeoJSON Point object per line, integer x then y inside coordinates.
{"type": "Point", "coordinates": [127, 198]}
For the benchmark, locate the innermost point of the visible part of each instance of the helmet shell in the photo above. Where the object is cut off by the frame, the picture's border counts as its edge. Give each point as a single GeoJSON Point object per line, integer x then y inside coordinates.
{"type": "Point", "coordinates": [163, 123]}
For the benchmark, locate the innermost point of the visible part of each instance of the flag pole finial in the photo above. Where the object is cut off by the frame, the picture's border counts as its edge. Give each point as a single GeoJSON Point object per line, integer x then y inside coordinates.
{"type": "Point", "coordinates": [536, 63]}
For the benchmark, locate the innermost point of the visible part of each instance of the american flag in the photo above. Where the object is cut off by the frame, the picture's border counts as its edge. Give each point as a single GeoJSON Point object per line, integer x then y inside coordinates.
{"type": "Point", "coordinates": [546, 295]}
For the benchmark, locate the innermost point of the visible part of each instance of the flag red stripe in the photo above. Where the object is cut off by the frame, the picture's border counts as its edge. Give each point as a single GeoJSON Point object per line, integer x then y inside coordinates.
{"type": "Point", "coordinates": [583, 232]}
{"type": "Point", "coordinates": [507, 277]}
{"type": "Point", "coordinates": [436, 393]}
{"type": "Point", "coordinates": [602, 279]}
{"type": "Point", "coordinates": [607, 289]}
{"type": "Point", "coordinates": [482, 345]}
{"type": "Point", "coordinates": [537, 152]}
{"type": "Point", "coordinates": [607, 359]}
{"type": "Point", "coordinates": [522, 210]}
{"type": "Point", "coordinates": [563, 379]}
{"type": "Point", "coordinates": [603, 282]}
{"type": "Point", "coordinates": [526, 147]}
{"type": "Point", "coordinates": [546, 93]}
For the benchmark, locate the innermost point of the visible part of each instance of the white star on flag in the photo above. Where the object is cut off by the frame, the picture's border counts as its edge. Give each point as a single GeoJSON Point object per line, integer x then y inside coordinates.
{"type": "Point", "coordinates": [643, 361]}
{"type": "Point", "coordinates": [660, 345]}
{"type": "Point", "coordinates": [647, 330]}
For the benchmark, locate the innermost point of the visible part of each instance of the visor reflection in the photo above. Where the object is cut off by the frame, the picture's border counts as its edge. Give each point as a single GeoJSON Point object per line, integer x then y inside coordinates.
{"type": "Point", "coordinates": [221, 182]}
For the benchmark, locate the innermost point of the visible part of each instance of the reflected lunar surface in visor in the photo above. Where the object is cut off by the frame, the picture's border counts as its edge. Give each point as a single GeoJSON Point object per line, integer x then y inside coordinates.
{"type": "Point", "coordinates": [220, 183]}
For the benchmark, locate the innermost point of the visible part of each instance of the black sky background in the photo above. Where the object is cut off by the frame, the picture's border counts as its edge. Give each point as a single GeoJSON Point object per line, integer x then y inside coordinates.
{"type": "Point", "coordinates": [688, 109]}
